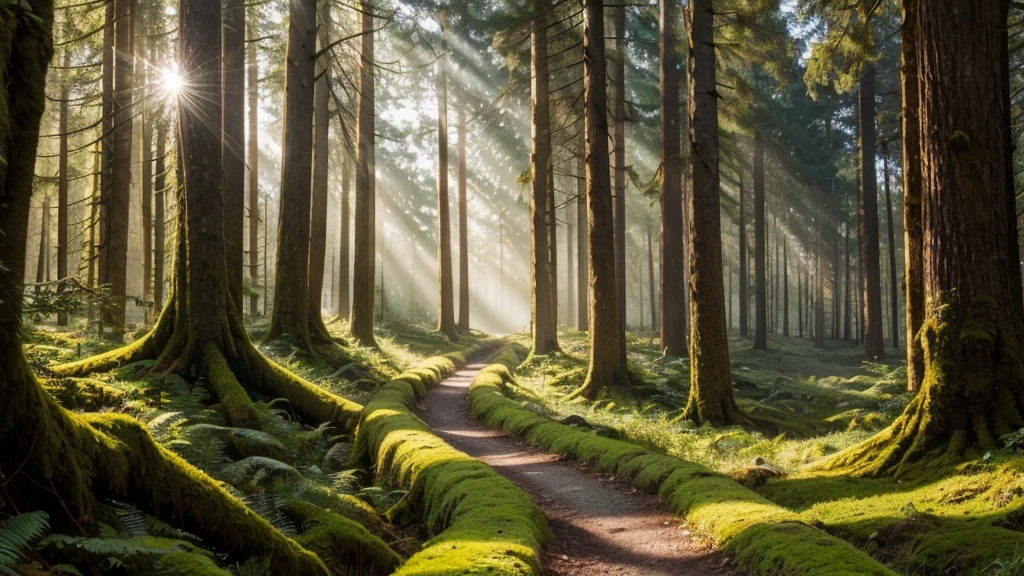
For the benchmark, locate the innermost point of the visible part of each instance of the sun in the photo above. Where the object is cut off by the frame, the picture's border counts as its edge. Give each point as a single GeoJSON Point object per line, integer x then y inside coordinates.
{"type": "Point", "coordinates": [171, 81]}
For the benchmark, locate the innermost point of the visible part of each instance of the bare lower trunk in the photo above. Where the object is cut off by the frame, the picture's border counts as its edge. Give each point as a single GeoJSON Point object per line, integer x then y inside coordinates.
{"type": "Point", "coordinates": [618, 97]}
{"type": "Point", "coordinates": [819, 296]}
{"type": "Point", "coordinates": [232, 145]}
{"type": "Point", "coordinates": [254, 173]}
{"type": "Point", "coordinates": [874, 347]}
{"type": "Point", "coordinates": [673, 276]}
{"type": "Point", "coordinates": [321, 164]}
{"type": "Point", "coordinates": [463, 227]}
{"type": "Point", "coordinates": [159, 203]}
{"type": "Point", "coordinates": [344, 256]}
{"type": "Point", "coordinates": [744, 279]}
{"type": "Point", "coordinates": [583, 271]}
{"type": "Point", "coordinates": [445, 281]}
{"type": "Point", "coordinates": [62, 187]}
{"type": "Point", "coordinates": [913, 242]}
{"type": "Point", "coordinates": [364, 258]}
{"type": "Point", "coordinates": [785, 287]}
{"type": "Point", "coordinates": [760, 252]}
{"type": "Point", "coordinates": [894, 302]}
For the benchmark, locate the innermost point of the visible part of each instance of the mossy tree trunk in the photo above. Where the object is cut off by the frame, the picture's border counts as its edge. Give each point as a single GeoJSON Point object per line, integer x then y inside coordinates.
{"type": "Point", "coordinates": [607, 371]}
{"type": "Point", "coordinates": [364, 258]}
{"type": "Point", "coordinates": [711, 397]}
{"type": "Point", "coordinates": [973, 374]}
{"type": "Point", "coordinates": [59, 461]}
{"type": "Point", "coordinates": [545, 335]}
{"type": "Point", "coordinates": [673, 275]}
{"type": "Point", "coordinates": [913, 242]}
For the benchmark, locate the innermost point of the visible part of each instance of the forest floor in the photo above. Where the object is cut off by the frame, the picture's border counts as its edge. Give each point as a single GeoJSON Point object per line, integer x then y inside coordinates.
{"type": "Point", "coordinates": [599, 525]}
{"type": "Point", "coordinates": [951, 517]}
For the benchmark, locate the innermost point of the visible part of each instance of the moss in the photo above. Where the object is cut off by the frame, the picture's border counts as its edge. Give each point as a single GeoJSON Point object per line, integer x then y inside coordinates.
{"type": "Point", "coordinates": [234, 400]}
{"type": "Point", "coordinates": [478, 521]}
{"type": "Point", "coordinates": [345, 546]}
{"type": "Point", "coordinates": [765, 538]}
{"type": "Point", "coordinates": [84, 393]}
{"type": "Point", "coordinates": [188, 564]}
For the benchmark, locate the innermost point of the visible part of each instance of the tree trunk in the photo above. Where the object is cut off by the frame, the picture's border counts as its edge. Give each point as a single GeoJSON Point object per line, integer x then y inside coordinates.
{"type": "Point", "coordinates": [114, 241]}
{"type": "Point", "coordinates": [744, 279]}
{"type": "Point", "coordinates": [874, 347]}
{"type": "Point", "coordinates": [464, 228]}
{"type": "Point", "coordinates": [232, 147]}
{"type": "Point", "coordinates": [846, 292]}
{"type": "Point", "coordinates": [364, 257]}
{"type": "Point", "coordinates": [345, 257]}
{"type": "Point", "coordinates": [552, 225]}
{"type": "Point", "coordinates": [445, 281]}
{"type": "Point", "coordinates": [894, 302]}
{"type": "Point", "coordinates": [570, 273]}
{"type": "Point", "coordinates": [582, 272]}
{"type": "Point", "coordinates": [785, 287]}
{"type": "Point", "coordinates": [711, 398]}
{"type": "Point", "coordinates": [102, 202]}
{"type": "Point", "coordinates": [650, 282]}
{"type": "Point", "coordinates": [1016, 283]}
{"type": "Point", "coordinates": [618, 97]}
{"type": "Point", "coordinates": [973, 378]}
{"type": "Point", "coordinates": [254, 170]}
{"type": "Point", "coordinates": [799, 302]}
{"type": "Point", "coordinates": [606, 375]}
{"type": "Point", "coordinates": [673, 276]}
{"type": "Point", "coordinates": [913, 241]}
{"type": "Point", "coordinates": [760, 285]}
{"type": "Point", "coordinates": [545, 337]}
{"type": "Point", "coordinates": [62, 185]}
{"type": "Point", "coordinates": [321, 164]}
{"type": "Point", "coordinates": [291, 297]}
{"type": "Point", "coordinates": [159, 203]}
{"type": "Point", "coordinates": [147, 118]}
{"type": "Point", "coordinates": [43, 261]}
{"type": "Point", "coordinates": [819, 278]}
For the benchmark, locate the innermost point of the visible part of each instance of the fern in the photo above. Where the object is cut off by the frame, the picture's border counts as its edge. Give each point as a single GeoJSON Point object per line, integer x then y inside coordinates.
{"type": "Point", "coordinates": [257, 469]}
{"type": "Point", "coordinates": [270, 507]}
{"type": "Point", "coordinates": [254, 442]}
{"type": "Point", "coordinates": [17, 534]}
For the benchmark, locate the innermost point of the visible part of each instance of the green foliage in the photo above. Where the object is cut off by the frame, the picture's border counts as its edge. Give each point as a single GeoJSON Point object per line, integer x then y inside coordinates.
{"type": "Point", "coordinates": [17, 535]}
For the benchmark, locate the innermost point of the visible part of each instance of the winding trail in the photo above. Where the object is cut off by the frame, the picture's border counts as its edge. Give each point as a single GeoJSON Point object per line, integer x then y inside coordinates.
{"type": "Point", "coordinates": [600, 526]}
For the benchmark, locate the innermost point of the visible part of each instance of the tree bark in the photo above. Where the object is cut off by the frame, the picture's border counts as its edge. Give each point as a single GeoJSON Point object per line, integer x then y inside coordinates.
{"type": "Point", "coordinates": [463, 227]}
{"type": "Point", "coordinates": [364, 257]}
{"type": "Point", "coordinates": [62, 185]}
{"type": "Point", "coordinates": [254, 170]}
{"type": "Point", "coordinates": [606, 375]}
{"type": "Point", "coordinates": [913, 241]}
{"type": "Point", "coordinates": [1016, 282]}
{"type": "Point", "coordinates": [846, 292]}
{"type": "Point", "coordinates": [894, 302]}
{"type": "Point", "coordinates": [744, 279]}
{"type": "Point", "coordinates": [973, 378]}
{"type": "Point", "coordinates": [618, 97]}
{"type": "Point", "coordinates": [760, 285]}
{"type": "Point", "coordinates": [570, 273]}
{"type": "Point", "coordinates": [785, 287]}
{"type": "Point", "coordinates": [321, 164]}
{"type": "Point", "coordinates": [650, 282]}
{"type": "Point", "coordinates": [711, 397]}
{"type": "Point", "coordinates": [146, 125]}
{"type": "Point", "coordinates": [232, 146]}
{"type": "Point", "coordinates": [874, 347]}
{"type": "Point", "coordinates": [583, 269]}
{"type": "Point", "coordinates": [43, 261]}
{"type": "Point", "coordinates": [819, 278]}
{"type": "Point", "coordinates": [673, 276]}
{"type": "Point", "coordinates": [445, 281]}
{"type": "Point", "coordinates": [345, 257]}
{"type": "Point", "coordinates": [291, 298]}
{"type": "Point", "coordinates": [159, 203]}
{"type": "Point", "coordinates": [545, 336]}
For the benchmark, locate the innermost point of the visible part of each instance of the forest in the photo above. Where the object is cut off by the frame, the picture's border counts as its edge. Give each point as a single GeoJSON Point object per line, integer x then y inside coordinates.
{"type": "Point", "coordinates": [511, 287]}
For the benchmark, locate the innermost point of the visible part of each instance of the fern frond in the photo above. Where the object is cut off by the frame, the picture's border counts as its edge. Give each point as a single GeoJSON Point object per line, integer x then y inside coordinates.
{"type": "Point", "coordinates": [254, 442]}
{"type": "Point", "coordinates": [256, 469]}
{"type": "Point", "coordinates": [17, 534]}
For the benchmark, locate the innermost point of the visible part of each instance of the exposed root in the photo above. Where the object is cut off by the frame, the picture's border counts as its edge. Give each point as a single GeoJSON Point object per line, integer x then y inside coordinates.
{"type": "Point", "coordinates": [234, 401]}
{"type": "Point", "coordinates": [341, 543]}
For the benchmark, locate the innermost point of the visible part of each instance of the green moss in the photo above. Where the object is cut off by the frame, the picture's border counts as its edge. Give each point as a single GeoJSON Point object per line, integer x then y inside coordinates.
{"type": "Point", "coordinates": [345, 546]}
{"type": "Point", "coordinates": [765, 538]}
{"type": "Point", "coordinates": [188, 564]}
{"type": "Point", "coordinates": [234, 400]}
{"type": "Point", "coordinates": [84, 393]}
{"type": "Point", "coordinates": [478, 521]}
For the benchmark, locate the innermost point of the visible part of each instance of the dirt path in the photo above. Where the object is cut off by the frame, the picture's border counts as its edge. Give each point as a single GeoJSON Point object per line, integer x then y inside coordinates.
{"type": "Point", "coordinates": [600, 526]}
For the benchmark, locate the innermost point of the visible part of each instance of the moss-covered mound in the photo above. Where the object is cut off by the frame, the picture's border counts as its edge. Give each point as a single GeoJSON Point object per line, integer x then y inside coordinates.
{"type": "Point", "coordinates": [479, 522]}
{"type": "Point", "coordinates": [765, 538]}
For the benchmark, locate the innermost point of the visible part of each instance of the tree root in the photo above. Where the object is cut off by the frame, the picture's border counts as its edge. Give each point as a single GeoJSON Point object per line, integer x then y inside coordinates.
{"type": "Point", "coordinates": [341, 542]}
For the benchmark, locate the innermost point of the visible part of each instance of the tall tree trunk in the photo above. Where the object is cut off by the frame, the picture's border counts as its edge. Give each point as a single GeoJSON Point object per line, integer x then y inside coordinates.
{"type": "Point", "coordinates": [232, 145]}
{"type": "Point", "coordinates": [760, 285]}
{"type": "Point", "coordinates": [552, 225]}
{"type": "Point", "coordinates": [617, 15]}
{"type": "Point", "coordinates": [146, 125]}
{"type": "Point", "coordinates": [159, 203]}
{"type": "Point", "coordinates": [345, 258]}
{"type": "Point", "coordinates": [973, 378]}
{"type": "Point", "coordinates": [364, 258]}
{"type": "Point", "coordinates": [254, 168]}
{"type": "Point", "coordinates": [43, 261]}
{"type": "Point", "coordinates": [744, 278]}
{"type": "Point", "coordinates": [846, 292]}
{"type": "Point", "coordinates": [894, 301]}
{"type": "Point", "coordinates": [711, 398]}
{"type": "Point", "coordinates": [464, 228]}
{"type": "Point", "coordinates": [291, 298]}
{"type": "Point", "coordinates": [650, 281]}
{"type": "Point", "coordinates": [729, 292]}
{"type": "Point", "coordinates": [785, 287]}
{"type": "Point", "coordinates": [545, 336]}
{"type": "Point", "coordinates": [114, 241]}
{"type": "Point", "coordinates": [1016, 283]}
{"type": "Point", "coordinates": [62, 185]}
{"type": "Point", "coordinates": [445, 281]}
{"type": "Point", "coordinates": [874, 347]}
{"type": "Point", "coordinates": [799, 301]}
{"type": "Point", "coordinates": [607, 373]}
{"type": "Point", "coordinates": [912, 182]}
{"type": "Point", "coordinates": [673, 277]}
{"type": "Point", "coordinates": [583, 271]}
{"type": "Point", "coordinates": [570, 273]}
{"type": "Point", "coordinates": [321, 165]}
{"type": "Point", "coordinates": [819, 278]}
